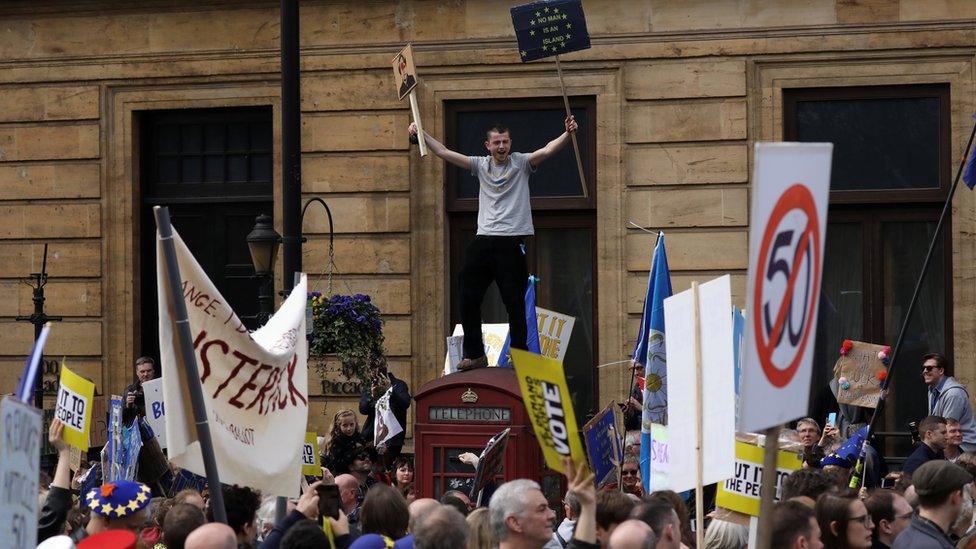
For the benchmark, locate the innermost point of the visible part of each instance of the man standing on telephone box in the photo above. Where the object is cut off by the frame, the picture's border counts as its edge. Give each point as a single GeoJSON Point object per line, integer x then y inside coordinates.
{"type": "Point", "coordinates": [497, 253]}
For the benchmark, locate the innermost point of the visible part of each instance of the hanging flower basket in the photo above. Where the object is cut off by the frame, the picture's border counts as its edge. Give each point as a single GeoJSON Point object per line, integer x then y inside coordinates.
{"type": "Point", "coordinates": [349, 328]}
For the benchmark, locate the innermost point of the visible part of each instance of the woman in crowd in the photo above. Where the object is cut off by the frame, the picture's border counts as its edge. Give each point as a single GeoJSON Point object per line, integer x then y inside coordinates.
{"type": "Point", "coordinates": [343, 440]}
{"type": "Point", "coordinates": [481, 535]}
{"type": "Point", "coordinates": [844, 521]}
{"type": "Point", "coordinates": [384, 512]}
{"type": "Point", "coordinates": [403, 473]}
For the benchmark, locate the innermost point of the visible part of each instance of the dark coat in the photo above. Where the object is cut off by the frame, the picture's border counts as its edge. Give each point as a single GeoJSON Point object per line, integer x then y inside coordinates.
{"type": "Point", "coordinates": [922, 534]}
{"type": "Point", "coordinates": [399, 402]}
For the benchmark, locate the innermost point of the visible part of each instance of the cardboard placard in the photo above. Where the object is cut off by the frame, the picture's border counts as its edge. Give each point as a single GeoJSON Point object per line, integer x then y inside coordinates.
{"type": "Point", "coordinates": [20, 463]}
{"type": "Point", "coordinates": [494, 337]}
{"type": "Point", "coordinates": [76, 397]}
{"type": "Point", "coordinates": [860, 366]}
{"type": "Point", "coordinates": [310, 456]}
{"type": "Point", "coordinates": [548, 402]}
{"type": "Point", "coordinates": [603, 445]}
{"type": "Point", "coordinates": [404, 72]}
{"type": "Point", "coordinates": [741, 491]}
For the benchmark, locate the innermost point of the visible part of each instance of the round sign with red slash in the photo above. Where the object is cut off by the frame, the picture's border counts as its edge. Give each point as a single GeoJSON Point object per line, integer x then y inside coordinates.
{"type": "Point", "coordinates": [787, 285]}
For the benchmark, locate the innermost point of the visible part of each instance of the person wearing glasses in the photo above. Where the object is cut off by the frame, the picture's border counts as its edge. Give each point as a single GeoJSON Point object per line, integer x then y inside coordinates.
{"type": "Point", "coordinates": [630, 476]}
{"type": "Point", "coordinates": [891, 514]}
{"type": "Point", "coordinates": [941, 487]}
{"type": "Point", "coordinates": [844, 521]}
{"type": "Point", "coordinates": [948, 398]}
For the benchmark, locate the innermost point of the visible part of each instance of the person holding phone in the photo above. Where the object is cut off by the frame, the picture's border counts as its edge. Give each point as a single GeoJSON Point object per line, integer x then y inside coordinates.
{"type": "Point", "coordinates": [400, 399]}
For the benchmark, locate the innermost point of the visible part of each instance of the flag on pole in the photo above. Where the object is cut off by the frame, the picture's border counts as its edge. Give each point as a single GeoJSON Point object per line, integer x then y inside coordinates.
{"type": "Point", "coordinates": [531, 328]}
{"type": "Point", "coordinates": [650, 352]}
{"type": "Point", "coordinates": [25, 388]}
{"type": "Point", "coordinates": [531, 321]}
{"type": "Point", "coordinates": [969, 173]}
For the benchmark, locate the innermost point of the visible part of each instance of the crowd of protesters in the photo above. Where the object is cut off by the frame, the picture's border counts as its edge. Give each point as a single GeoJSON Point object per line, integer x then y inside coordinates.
{"type": "Point", "coordinates": [928, 502]}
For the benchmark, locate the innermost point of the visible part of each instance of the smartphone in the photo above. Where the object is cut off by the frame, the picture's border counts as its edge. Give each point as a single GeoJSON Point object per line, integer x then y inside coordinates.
{"type": "Point", "coordinates": [832, 419]}
{"type": "Point", "coordinates": [888, 482]}
{"type": "Point", "coordinates": [328, 500]}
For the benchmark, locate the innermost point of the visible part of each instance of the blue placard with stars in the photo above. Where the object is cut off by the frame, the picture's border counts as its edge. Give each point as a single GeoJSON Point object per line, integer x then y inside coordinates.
{"type": "Point", "coordinates": [550, 28]}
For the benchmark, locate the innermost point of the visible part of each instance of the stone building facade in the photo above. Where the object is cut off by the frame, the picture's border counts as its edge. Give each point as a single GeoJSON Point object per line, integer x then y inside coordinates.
{"type": "Point", "coordinates": [679, 92]}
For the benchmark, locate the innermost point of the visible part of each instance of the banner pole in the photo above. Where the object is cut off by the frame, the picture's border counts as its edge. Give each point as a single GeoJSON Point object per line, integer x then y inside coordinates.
{"type": "Point", "coordinates": [699, 427]}
{"type": "Point", "coordinates": [415, 110]}
{"type": "Point", "coordinates": [579, 160]}
{"type": "Point", "coordinates": [768, 489]}
{"type": "Point", "coordinates": [857, 479]}
{"type": "Point", "coordinates": [182, 325]}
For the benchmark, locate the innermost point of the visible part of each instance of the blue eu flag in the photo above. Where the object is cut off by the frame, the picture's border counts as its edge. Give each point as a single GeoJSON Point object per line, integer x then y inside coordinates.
{"type": "Point", "coordinates": [550, 28]}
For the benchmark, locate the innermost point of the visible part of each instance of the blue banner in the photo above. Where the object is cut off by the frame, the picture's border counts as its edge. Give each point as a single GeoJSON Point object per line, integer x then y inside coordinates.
{"type": "Point", "coordinates": [550, 28]}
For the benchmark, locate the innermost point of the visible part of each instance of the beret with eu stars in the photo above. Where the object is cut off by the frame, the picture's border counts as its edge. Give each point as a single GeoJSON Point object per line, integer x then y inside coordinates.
{"type": "Point", "coordinates": [118, 499]}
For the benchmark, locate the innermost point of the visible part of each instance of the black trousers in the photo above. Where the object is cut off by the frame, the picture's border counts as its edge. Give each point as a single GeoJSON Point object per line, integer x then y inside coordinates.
{"type": "Point", "coordinates": [497, 259]}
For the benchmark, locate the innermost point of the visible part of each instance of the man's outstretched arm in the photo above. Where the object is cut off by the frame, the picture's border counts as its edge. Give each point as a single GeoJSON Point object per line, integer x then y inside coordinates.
{"type": "Point", "coordinates": [553, 146]}
{"type": "Point", "coordinates": [440, 150]}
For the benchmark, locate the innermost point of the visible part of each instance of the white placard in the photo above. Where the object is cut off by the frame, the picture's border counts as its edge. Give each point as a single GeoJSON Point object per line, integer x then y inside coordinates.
{"type": "Point", "coordinates": [717, 377]}
{"type": "Point", "coordinates": [555, 329]}
{"type": "Point", "coordinates": [786, 243]}
{"type": "Point", "coordinates": [156, 408]}
{"type": "Point", "coordinates": [492, 335]}
{"type": "Point", "coordinates": [385, 424]}
{"type": "Point", "coordinates": [20, 461]}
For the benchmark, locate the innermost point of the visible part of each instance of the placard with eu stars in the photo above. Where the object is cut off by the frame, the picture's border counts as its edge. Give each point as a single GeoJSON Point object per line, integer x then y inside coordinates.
{"type": "Point", "coordinates": [550, 28]}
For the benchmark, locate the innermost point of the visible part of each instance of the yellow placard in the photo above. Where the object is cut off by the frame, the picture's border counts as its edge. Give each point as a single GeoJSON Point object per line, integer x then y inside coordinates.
{"type": "Point", "coordinates": [741, 492]}
{"type": "Point", "coordinates": [547, 399]}
{"type": "Point", "coordinates": [76, 395]}
{"type": "Point", "coordinates": [310, 456]}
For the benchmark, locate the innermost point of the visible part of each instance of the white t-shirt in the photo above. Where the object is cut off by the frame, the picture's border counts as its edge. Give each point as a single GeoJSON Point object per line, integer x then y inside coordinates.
{"type": "Point", "coordinates": [503, 199]}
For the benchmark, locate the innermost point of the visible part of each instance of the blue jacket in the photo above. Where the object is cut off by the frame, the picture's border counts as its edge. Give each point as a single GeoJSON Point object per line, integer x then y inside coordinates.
{"type": "Point", "coordinates": [954, 402]}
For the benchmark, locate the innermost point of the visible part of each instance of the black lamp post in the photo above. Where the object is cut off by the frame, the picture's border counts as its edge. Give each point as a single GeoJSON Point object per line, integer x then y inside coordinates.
{"type": "Point", "coordinates": [263, 243]}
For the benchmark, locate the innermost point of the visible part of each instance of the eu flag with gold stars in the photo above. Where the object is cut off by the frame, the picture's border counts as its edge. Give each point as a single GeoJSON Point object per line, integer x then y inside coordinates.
{"type": "Point", "coordinates": [550, 28]}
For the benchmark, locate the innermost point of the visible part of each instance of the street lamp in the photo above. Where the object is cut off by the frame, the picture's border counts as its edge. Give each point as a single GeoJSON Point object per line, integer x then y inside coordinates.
{"type": "Point", "coordinates": [263, 243]}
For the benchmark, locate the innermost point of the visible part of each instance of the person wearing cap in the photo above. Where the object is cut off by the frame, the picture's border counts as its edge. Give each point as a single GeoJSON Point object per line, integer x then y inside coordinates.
{"type": "Point", "coordinates": [118, 505]}
{"type": "Point", "coordinates": [939, 485]}
{"type": "Point", "coordinates": [949, 398]}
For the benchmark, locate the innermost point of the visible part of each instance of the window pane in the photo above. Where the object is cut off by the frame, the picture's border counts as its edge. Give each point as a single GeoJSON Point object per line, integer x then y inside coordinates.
{"type": "Point", "coordinates": [213, 168]}
{"type": "Point", "coordinates": [167, 169]}
{"type": "Point", "coordinates": [237, 137]}
{"type": "Point", "coordinates": [236, 168]}
{"type": "Point", "coordinates": [260, 167]}
{"type": "Point", "coordinates": [190, 141]}
{"type": "Point", "coordinates": [529, 130]}
{"type": "Point", "coordinates": [841, 309]}
{"type": "Point", "coordinates": [167, 138]}
{"type": "Point", "coordinates": [192, 172]}
{"type": "Point", "coordinates": [878, 143]}
{"type": "Point", "coordinates": [214, 138]}
{"type": "Point", "coordinates": [905, 245]}
{"type": "Point", "coordinates": [565, 264]}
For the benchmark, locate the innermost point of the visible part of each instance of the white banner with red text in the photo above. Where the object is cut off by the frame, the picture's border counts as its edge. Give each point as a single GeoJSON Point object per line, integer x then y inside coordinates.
{"type": "Point", "coordinates": [255, 384]}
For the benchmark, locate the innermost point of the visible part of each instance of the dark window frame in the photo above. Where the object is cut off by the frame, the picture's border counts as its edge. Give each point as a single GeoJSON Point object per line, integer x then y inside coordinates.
{"type": "Point", "coordinates": [588, 103]}
{"type": "Point", "coordinates": [871, 209]}
{"type": "Point", "coordinates": [547, 212]}
{"type": "Point", "coordinates": [202, 191]}
{"type": "Point", "coordinates": [938, 91]}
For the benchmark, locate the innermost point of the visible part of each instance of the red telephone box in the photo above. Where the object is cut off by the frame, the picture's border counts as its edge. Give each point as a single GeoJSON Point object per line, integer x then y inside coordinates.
{"type": "Point", "coordinates": [459, 413]}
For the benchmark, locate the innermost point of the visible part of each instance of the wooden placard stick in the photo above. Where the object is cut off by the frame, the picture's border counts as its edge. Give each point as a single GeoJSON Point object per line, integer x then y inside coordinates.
{"type": "Point", "coordinates": [768, 489]}
{"type": "Point", "coordinates": [579, 160]}
{"type": "Point", "coordinates": [415, 111]}
{"type": "Point", "coordinates": [699, 423]}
